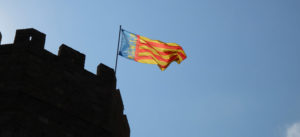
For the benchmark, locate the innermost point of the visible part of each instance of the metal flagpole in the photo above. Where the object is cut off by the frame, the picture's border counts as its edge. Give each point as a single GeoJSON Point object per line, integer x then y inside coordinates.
{"type": "Point", "coordinates": [118, 49]}
{"type": "Point", "coordinates": [0, 38]}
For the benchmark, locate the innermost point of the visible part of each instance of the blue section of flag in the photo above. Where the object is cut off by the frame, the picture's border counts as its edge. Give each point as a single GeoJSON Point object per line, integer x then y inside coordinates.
{"type": "Point", "coordinates": [128, 44]}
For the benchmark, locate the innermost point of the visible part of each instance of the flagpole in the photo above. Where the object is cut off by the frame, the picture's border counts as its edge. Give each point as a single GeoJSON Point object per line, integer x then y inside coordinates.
{"type": "Point", "coordinates": [118, 49]}
{"type": "Point", "coordinates": [0, 38]}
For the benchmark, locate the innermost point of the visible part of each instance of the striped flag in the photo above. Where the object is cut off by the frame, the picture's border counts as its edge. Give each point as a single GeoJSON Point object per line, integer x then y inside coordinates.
{"type": "Point", "coordinates": [145, 50]}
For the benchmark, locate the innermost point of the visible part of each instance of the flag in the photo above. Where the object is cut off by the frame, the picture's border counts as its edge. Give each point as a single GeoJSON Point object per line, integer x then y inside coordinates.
{"type": "Point", "coordinates": [145, 50]}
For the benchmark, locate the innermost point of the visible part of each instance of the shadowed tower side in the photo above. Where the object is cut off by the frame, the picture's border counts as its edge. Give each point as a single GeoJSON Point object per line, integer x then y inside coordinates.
{"type": "Point", "coordinates": [47, 95]}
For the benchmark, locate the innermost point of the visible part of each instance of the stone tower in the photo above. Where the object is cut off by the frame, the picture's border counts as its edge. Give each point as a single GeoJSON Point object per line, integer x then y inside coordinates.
{"type": "Point", "coordinates": [44, 95]}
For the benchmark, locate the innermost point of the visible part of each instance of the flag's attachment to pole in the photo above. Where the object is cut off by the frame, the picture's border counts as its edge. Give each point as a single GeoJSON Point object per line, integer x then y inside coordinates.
{"type": "Point", "coordinates": [118, 49]}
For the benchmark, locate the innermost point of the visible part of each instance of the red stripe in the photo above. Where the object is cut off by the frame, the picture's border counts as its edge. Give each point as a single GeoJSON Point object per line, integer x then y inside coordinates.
{"type": "Point", "coordinates": [137, 47]}
{"type": "Point", "coordinates": [165, 66]}
{"type": "Point", "coordinates": [160, 53]}
{"type": "Point", "coordinates": [143, 57]}
{"type": "Point", "coordinates": [182, 55]}
{"type": "Point", "coordinates": [163, 45]}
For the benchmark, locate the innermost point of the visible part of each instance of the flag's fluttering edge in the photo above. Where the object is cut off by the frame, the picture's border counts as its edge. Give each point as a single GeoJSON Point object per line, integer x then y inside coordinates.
{"type": "Point", "coordinates": [145, 50]}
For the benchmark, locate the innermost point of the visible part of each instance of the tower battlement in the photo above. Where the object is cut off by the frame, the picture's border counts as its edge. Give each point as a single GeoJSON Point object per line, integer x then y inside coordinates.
{"type": "Point", "coordinates": [43, 94]}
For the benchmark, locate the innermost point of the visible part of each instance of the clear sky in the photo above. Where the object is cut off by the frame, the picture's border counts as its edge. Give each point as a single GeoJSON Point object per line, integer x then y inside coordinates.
{"type": "Point", "coordinates": [241, 77]}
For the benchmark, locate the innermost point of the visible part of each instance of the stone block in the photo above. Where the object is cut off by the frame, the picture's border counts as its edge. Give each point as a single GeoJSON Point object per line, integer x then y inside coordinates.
{"type": "Point", "coordinates": [71, 55]}
{"type": "Point", "coordinates": [30, 37]}
{"type": "Point", "coordinates": [107, 74]}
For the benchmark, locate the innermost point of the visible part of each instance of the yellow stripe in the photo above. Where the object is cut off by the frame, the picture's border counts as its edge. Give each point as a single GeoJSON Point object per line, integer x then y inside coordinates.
{"type": "Point", "coordinates": [147, 61]}
{"type": "Point", "coordinates": [151, 61]}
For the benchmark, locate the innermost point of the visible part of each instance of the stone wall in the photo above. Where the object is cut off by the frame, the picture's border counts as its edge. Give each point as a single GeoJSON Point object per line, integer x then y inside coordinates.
{"type": "Point", "coordinates": [44, 95]}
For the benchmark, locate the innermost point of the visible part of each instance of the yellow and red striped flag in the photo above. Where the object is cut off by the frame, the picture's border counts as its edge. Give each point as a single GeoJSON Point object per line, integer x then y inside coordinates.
{"type": "Point", "coordinates": [145, 50]}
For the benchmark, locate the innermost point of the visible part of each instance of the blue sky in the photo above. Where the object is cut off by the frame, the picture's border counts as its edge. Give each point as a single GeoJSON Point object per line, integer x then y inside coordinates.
{"type": "Point", "coordinates": [241, 77]}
